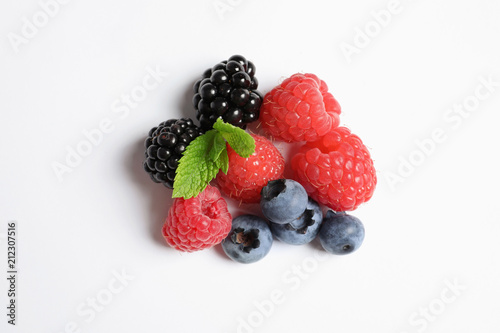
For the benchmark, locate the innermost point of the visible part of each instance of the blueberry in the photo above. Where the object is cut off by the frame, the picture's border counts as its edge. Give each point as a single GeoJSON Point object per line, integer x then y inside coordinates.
{"type": "Point", "coordinates": [283, 200]}
{"type": "Point", "coordinates": [249, 240]}
{"type": "Point", "coordinates": [303, 229]}
{"type": "Point", "coordinates": [341, 233]}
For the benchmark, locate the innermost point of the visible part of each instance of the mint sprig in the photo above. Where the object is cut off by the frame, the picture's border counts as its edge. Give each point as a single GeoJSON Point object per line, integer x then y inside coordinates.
{"type": "Point", "coordinates": [242, 143]}
{"type": "Point", "coordinates": [206, 155]}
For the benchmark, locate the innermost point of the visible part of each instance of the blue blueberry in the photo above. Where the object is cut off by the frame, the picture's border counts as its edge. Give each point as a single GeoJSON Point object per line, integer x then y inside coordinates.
{"type": "Point", "coordinates": [249, 240]}
{"type": "Point", "coordinates": [283, 200]}
{"type": "Point", "coordinates": [303, 229]}
{"type": "Point", "coordinates": [341, 233]}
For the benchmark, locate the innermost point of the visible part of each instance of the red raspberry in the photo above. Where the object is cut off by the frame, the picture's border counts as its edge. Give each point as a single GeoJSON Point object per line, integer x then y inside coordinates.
{"type": "Point", "coordinates": [299, 109]}
{"type": "Point", "coordinates": [197, 223]}
{"type": "Point", "coordinates": [336, 170]}
{"type": "Point", "coordinates": [247, 176]}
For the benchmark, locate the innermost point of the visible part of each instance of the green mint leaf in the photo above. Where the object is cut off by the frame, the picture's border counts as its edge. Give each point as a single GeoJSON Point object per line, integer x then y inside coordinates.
{"type": "Point", "coordinates": [196, 167]}
{"type": "Point", "coordinates": [242, 142]}
{"type": "Point", "coordinates": [206, 155]}
{"type": "Point", "coordinates": [219, 145]}
{"type": "Point", "coordinates": [223, 161]}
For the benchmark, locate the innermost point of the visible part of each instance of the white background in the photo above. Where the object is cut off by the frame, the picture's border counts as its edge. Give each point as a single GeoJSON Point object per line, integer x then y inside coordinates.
{"type": "Point", "coordinates": [436, 225]}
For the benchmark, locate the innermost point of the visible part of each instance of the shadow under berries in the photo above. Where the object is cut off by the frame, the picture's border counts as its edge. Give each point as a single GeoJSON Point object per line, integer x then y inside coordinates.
{"type": "Point", "coordinates": [160, 197]}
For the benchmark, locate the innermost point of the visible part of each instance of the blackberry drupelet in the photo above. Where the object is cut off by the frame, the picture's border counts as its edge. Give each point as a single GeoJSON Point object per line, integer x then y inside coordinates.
{"type": "Point", "coordinates": [229, 91]}
{"type": "Point", "coordinates": [164, 147]}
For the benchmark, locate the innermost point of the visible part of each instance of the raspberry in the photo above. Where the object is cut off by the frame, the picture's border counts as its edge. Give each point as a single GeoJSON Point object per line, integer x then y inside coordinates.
{"type": "Point", "coordinates": [247, 176]}
{"type": "Point", "coordinates": [336, 170]}
{"type": "Point", "coordinates": [164, 147]}
{"type": "Point", "coordinates": [228, 90]}
{"type": "Point", "coordinates": [197, 223]}
{"type": "Point", "coordinates": [300, 109]}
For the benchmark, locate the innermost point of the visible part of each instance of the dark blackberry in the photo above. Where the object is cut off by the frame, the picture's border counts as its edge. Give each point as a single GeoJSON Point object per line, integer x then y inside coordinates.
{"type": "Point", "coordinates": [164, 147]}
{"type": "Point", "coordinates": [228, 90]}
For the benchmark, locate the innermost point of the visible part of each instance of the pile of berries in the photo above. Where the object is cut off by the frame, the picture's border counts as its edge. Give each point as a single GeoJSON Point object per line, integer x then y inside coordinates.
{"type": "Point", "coordinates": [332, 170]}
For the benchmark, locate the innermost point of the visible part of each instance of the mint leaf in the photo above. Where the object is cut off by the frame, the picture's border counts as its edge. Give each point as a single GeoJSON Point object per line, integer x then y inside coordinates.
{"type": "Point", "coordinates": [242, 142]}
{"type": "Point", "coordinates": [219, 145]}
{"type": "Point", "coordinates": [223, 161]}
{"type": "Point", "coordinates": [206, 155]}
{"type": "Point", "coordinates": [196, 167]}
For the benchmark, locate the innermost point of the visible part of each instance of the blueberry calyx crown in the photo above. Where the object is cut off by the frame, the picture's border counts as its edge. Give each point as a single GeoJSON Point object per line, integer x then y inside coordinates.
{"type": "Point", "coordinates": [249, 239]}
{"type": "Point", "coordinates": [308, 218]}
{"type": "Point", "coordinates": [273, 189]}
{"type": "Point", "coordinates": [346, 247]}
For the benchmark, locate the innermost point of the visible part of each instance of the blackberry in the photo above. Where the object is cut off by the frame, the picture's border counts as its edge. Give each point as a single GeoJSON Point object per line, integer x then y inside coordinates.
{"type": "Point", "coordinates": [228, 91]}
{"type": "Point", "coordinates": [164, 147]}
